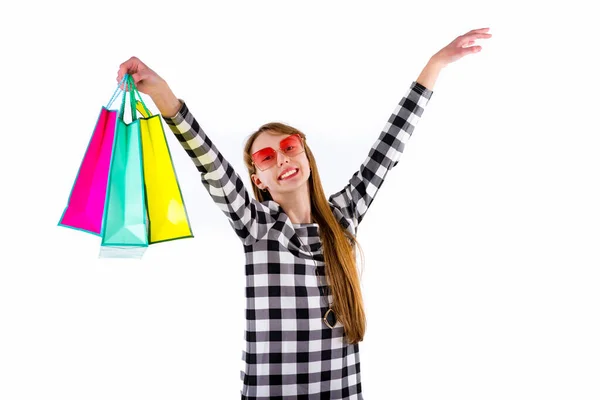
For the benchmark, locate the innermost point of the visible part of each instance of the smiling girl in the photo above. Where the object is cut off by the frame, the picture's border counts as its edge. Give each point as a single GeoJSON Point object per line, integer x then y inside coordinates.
{"type": "Point", "coordinates": [304, 308]}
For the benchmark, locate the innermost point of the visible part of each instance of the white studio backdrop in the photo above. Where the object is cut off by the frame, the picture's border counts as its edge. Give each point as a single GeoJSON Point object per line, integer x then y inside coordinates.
{"type": "Point", "coordinates": [481, 248]}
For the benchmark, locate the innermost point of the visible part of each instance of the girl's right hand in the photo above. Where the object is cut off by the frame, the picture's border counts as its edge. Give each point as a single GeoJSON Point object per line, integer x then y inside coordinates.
{"type": "Point", "coordinates": [146, 80]}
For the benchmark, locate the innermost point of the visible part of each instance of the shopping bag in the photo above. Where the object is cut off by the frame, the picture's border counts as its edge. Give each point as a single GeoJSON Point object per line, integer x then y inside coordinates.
{"type": "Point", "coordinates": [124, 229]}
{"type": "Point", "coordinates": [167, 214]}
{"type": "Point", "coordinates": [85, 206]}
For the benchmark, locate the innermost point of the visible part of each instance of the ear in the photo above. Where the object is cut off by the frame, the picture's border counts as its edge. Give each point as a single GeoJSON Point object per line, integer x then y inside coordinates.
{"type": "Point", "coordinates": [256, 180]}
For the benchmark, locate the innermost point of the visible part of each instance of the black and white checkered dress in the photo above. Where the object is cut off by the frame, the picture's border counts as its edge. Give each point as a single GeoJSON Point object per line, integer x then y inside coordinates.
{"type": "Point", "coordinates": [289, 352]}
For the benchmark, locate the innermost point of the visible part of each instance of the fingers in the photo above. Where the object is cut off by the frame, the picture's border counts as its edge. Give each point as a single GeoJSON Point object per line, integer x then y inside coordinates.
{"type": "Point", "coordinates": [130, 66]}
{"type": "Point", "coordinates": [469, 39]}
{"type": "Point", "coordinates": [477, 34]}
{"type": "Point", "coordinates": [121, 73]}
{"type": "Point", "coordinates": [480, 30]}
{"type": "Point", "coordinates": [140, 75]}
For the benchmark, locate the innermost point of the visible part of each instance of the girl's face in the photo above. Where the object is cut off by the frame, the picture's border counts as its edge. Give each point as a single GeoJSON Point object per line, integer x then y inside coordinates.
{"type": "Point", "coordinates": [281, 162]}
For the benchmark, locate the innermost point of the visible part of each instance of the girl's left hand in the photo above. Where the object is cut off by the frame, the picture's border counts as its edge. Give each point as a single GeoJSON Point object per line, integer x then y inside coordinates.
{"type": "Point", "coordinates": [461, 46]}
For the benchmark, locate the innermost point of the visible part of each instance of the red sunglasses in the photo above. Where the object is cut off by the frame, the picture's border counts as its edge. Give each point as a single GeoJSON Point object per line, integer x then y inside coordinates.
{"type": "Point", "coordinates": [290, 146]}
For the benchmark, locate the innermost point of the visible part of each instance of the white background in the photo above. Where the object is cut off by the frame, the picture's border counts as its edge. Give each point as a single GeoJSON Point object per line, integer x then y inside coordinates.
{"type": "Point", "coordinates": [481, 276]}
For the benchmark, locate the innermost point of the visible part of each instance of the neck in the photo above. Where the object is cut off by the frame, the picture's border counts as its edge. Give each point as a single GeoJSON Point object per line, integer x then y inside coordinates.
{"type": "Point", "coordinates": [296, 204]}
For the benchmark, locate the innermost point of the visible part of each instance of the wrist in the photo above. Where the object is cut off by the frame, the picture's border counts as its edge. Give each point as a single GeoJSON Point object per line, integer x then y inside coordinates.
{"type": "Point", "coordinates": [429, 74]}
{"type": "Point", "coordinates": [436, 63]}
{"type": "Point", "coordinates": [165, 100]}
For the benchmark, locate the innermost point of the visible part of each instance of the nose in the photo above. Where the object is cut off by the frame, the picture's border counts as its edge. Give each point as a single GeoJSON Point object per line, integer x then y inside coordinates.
{"type": "Point", "coordinates": [281, 158]}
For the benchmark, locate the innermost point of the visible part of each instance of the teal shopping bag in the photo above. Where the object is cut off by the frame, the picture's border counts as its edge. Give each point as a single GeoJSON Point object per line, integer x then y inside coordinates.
{"type": "Point", "coordinates": [125, 218]}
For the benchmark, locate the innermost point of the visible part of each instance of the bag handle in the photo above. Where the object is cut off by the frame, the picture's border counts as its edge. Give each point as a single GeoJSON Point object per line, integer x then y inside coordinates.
{"type": "Point", "coordinates": [127, 91]}
{"type": "Point", "coordinates": [139, 104]}
{"type": "Point", "coordinates": [127, 86]}
{"type": "Point", "coordinates": [116, 93]}
{"type": "Point", "coordinates": [131, 86]}
{"type": "Point", "coordinates": [121, 114]}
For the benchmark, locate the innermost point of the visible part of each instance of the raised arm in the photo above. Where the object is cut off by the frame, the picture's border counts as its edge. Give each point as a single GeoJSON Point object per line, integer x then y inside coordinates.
{"type": "Point", "coordinates": [356, 197]}
{"type": "Point", "coordinates": [250, 219]}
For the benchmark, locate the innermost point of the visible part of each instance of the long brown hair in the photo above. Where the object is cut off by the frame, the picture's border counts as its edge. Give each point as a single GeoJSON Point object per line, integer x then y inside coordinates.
{"type": "Point", "coordinates": [338, 244]}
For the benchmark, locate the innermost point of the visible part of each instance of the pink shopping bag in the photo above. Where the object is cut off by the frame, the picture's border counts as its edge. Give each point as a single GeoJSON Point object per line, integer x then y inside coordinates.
{"type": "Point", "coordinates": [85, 207]}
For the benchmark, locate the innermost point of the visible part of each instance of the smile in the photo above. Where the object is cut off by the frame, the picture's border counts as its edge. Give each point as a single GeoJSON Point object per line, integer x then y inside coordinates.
{"type": "Point", "coordinates": [289, 174]}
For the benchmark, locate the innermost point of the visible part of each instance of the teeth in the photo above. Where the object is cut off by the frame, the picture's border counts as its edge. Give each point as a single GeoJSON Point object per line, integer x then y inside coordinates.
{"type": "Point", "coordinates": [288, 174]}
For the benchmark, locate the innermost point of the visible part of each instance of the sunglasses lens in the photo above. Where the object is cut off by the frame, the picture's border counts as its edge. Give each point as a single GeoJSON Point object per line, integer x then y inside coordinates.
{"type": "Point", "coordinates": [291, 146]}
{"type": "Point", "coordinates": [264, 158]}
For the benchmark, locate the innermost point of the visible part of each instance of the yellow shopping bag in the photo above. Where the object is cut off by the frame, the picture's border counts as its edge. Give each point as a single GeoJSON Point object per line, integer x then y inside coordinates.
{"type": "Point", "coordinates": [167, 215]}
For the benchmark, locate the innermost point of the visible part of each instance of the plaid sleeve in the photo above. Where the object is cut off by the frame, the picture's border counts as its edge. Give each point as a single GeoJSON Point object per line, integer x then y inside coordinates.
{"type": "Point", "coordinates": [356, 197]}
{"type": "Point", "coordinates": [249, 218]}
